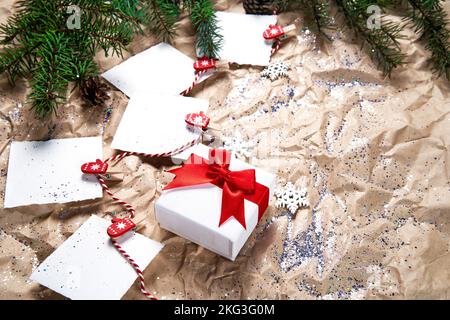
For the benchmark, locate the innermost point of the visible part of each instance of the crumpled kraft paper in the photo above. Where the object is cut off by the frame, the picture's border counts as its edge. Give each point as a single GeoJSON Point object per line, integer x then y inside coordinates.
{"type": "Point", "coordinates": [372, 152]}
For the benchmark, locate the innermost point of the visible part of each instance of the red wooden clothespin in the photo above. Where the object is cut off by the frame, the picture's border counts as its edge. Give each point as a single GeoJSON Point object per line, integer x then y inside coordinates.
{"type": "Point", "coordinates": [277, 32]}
{"type": "Point", "coordinates": [119, 227]}
{"type": "Point", "coordinates": [199, 119]}
{"type": "Point", "coordinates": [97, 167]}
{"type": "Point", "coordinates": [204, 63]}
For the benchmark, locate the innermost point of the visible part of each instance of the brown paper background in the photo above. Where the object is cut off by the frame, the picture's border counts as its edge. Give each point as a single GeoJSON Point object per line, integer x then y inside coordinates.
{"type": "Point", "coordinates": [372, 152]}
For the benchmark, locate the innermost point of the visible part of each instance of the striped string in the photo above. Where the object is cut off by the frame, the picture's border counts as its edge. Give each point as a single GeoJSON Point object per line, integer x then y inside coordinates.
{"type": "Point", "coordinates": [197, 77]}
{"type": "Point", "coordinates": [132, 210]}
{"type": "Point", "coordinates": [122, 155]}
{"type": "Point", "coordinates": [136, 268]}
{"type": "Point", "coordinates": [277, 42]}
{"type": "Point", "coordinates": [129, 207]}
{"type": "Point", "coordinates": [275, 47]}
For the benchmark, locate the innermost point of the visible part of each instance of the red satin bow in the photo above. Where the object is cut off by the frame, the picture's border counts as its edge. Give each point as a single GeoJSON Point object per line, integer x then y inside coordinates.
{"type": "Point", "coordinates": [236, 185]}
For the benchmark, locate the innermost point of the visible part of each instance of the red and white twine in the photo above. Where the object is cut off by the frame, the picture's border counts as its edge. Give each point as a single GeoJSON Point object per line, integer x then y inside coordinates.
{"type": "Point", "coordinates": [128, 206]}
{"type": "Point", "coordinates": [131, 209]}
{"type": "Point", "coordinates": [198, 75]}
{"type": "Point", "coordinates": [136, 268]}
{"type": "Point", "coordinates": [277, 42]}
{"type": "Point", "coordinates": [275, 47]}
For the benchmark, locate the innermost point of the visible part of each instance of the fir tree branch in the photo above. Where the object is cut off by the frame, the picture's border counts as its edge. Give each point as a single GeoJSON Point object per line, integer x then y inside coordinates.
{"type": "Point", "coordinates": [430, 21]}
{"type": "Point", "coordinates": [318, 11]}
{"type": "Point", "coordinates": [39, 45]}
{"type": "Point", "coordinates": [50, 77]}
{"type": "Point", "coordinates": [204, 21]}
{"type": "Point", "coordinates": [382, 42]}
{"type": "Point", "coordinates": [132, 12]}
{"type": "Point", "coordinates": [27, 20]}
{"type": "Point", "coordinates": [16, 62]}
{"type": "Point", "coordinates": [163, 15]}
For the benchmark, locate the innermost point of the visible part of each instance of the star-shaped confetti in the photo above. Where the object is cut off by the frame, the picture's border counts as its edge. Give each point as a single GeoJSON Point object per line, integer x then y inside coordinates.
{"type": "Point", "coordinates": [291, 197]}
{"type": "Point", "coordinates": [275, 70]}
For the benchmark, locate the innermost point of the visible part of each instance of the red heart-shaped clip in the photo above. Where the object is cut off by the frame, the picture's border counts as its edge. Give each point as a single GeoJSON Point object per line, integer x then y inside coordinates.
{"type": "Point", "coordinates": [98, 167]}
{"type": "Point", "coordinates": [204, 63]}
{"type": "Point", "coordinates": [119, 227]}
{"type": "Point", "coordinates": [197, 120]}
{"type": "Point", "coordinates": [273, 32]}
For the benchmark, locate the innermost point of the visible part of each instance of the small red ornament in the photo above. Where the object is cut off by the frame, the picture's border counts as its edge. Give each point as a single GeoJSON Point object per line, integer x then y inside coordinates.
{"type": "Point", "coordinates": [204, 63]}
{"type": "Point", "coordinates": [98, 167]}
{"type": "Point", "coordinates": [197, 120]}
{"type": "Point", "coordinates": [119, 227]}
{"type": "Point", "coordinates": [273, 32]}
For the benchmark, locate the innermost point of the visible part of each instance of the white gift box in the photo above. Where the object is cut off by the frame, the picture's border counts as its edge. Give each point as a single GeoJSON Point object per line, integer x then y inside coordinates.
{"type": "Point", "coordinates": [194, 212]}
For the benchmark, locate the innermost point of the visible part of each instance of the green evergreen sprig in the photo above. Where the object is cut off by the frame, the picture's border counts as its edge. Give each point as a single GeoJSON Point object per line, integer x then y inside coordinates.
{"type": "Point", "coordinates": [427, 17]}
{"type": "Point", "coordinates": [164, 16]}
{"type": "Point", "coordinates": [318, 11]}
{"type": "Point", "coordinates": [382, 42]}
{"type": "Point", "coordinates": [39, 45]}
{"type": "Point", "coordinates": [430, 21]}
{"type": "Point", "coordinates": [209, 40]}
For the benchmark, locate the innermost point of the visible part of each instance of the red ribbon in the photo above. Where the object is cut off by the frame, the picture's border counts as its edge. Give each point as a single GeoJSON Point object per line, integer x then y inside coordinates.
{"type": "Point", "coordinates": [237, 185]}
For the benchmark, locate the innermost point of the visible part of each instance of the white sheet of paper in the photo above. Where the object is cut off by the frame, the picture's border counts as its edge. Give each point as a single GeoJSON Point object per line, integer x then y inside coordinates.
{"type": "Point", "coordinates": [162, 68]}
{"type": "Point", "coordinates": [87, 266]}
{"type": "Point", "coordinates": [243, 38]}
{"type": "Point", "coordinates": [155, 123]}
{"type": "Point", "coordinates": [43, 172]}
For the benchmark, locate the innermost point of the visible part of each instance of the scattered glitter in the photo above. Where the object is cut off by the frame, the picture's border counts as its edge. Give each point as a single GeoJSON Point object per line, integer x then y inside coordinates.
{"type": "Point", "coordinates": [278, 105]}
{"type": "Point", "coordinates": [303, 247]}
{"type": "Point", "coordinates": [16, 114]}
{"type": "Point", "coordinates": [108, 113]}
{"type": "Point", "coordinates": [290, 92]}
{"type": "Point", "coordinates": [331, 85]}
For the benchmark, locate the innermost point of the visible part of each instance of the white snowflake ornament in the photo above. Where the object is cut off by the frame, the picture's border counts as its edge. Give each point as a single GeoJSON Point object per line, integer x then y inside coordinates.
{"type": "Point", "coordinates": [275, 70]}
{"type": "Point", "coordinates": [241, 148]}
{"type": "Point", "coordinates": [291, 197]}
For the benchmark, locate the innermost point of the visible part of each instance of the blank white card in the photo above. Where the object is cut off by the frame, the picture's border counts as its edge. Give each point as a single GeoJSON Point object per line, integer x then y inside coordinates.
{"type": "Point", "coordinates": [87, 266]}
{"type": "Point", "coordinates": [243, 41]}
{"type": "Point", "coordinates": [155, 123]}
{"type": "Point", "coordinates": [162, 68]}
{"type": "Point", "coordinates": [44, 172]}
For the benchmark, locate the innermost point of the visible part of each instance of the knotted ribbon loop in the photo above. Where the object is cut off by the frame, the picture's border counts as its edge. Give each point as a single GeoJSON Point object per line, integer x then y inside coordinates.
{"type": "Point", "coordinates": [236, 185]}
